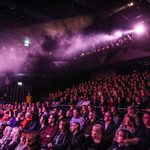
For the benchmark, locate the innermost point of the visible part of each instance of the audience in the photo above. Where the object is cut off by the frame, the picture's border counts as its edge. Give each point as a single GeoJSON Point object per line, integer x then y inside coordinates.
{"type": "Point", "coordinates": [103, 113]}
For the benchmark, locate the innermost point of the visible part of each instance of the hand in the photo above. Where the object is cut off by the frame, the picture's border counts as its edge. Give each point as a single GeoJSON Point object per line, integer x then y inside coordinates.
{"type": "Point", "coordinates": [49, 145]}
{"type": "Point", "coordinates": [47, 136]}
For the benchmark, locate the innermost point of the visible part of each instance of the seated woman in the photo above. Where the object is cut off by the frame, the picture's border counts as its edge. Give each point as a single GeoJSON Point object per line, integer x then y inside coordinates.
{"type": "Point", "coordinates": [14, 139]}
{"type": "Point", "coordinates": [22, 145]}
{"type": "Point", "coordinates": [95, 141]}
{"type": "Point", "coordinates": [116, 115]}
{"type": "Point", "coordinates": [120, 141]}
{"type": "Point", "coordinates": [60, 141]}
{"type": "Point", "coordinates": [6, 137]}
{"type": "Point", "coordinates": [93, 119]}
{"type": "Point", "coordinates": [129, 125]}
{"type": "Point", "coordinates": [33, 140]}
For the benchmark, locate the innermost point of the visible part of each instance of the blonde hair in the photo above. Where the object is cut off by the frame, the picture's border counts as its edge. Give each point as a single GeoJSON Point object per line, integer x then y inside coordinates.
{"type": "Point", "coordinates": [99, 131]}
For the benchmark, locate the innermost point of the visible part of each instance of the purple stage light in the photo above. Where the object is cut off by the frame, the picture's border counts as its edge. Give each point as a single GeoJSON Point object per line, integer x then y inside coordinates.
{"type": "Point", "coordinates": [139, 29]}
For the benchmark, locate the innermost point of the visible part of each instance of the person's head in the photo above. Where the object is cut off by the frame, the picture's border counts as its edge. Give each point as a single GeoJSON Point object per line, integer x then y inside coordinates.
{"type": "Point", "coordinates": [75, 113]}
{"type": "Point", "coordinates": [15, 133]}
{"type": "Point", "coordinates": [7, 113]}
{"type": "Point", "coordinates": [23, 138]}
{"type": "Point", "coordinates": [52, 119]}
{"type": "Point", "coordinates": [103, 109]}
{"type": "Point", "coordinates": [130, 110]}
{"type": "Point", "coordinates": [97, 132]}
{"type": "Point", "coordinates": [75, 127]}
{"type": "Point", "coordinates": [114, 110]}
{"type": "Point", "coordinates": [129, 121]}
{"type": "Point", "coordinates": [90, 108]}
{"type": "Point", "coordinates": [44, 120]}
{"type": "Point", "coordinates": [72, 106]}
{"type": "Point", "coordinates": [108, 117]}
{"type": "Point", "coordinates": [137, 100]}
{"type": "Point", "coordinates": [33, 140]}
{"type": "Point", "coordinates": [28, 115]}
{"type": "Point", "coordinates": [69, 113]}
{"type": "Point", "coordinates": [20, 116]}
{"type": "Point", "coordinates": [24, 108]}
{"type": "Point", "coordinates": [55, 111]}
{"type": "Point", "coordinates": [15, 113]}
{"type": "Point", "coordinates": [7, 131]}
{"type": "Point", "coordinates": [44, 109]}
{"type": "Point", "coordinates": [63, 125]}
{"type": "Point", "coordinates": [142, 92]}
{"type": "Point", "coordinates": [61, 113]}
{"type": "Point", "coordinates": [39, 110]}
{"type": "Point", "coordinates": [122, 135]}
{"type": "Point", "coordinates": [38, 104]}
{"type": "Point", "coordinates": [146, 119]}
{"type": "Point", "coordinates": [84, 108]}
{"type": "Point", "coordinates": [33, 109]}
{"type": "Point", "coordinates": [92, 116]}
{"type": "Point", "coordinates": [2, 126]}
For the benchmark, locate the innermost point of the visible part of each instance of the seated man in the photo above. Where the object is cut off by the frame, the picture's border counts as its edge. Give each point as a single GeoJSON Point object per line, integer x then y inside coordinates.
{"type": "Point", "coordinates": [49, 132]}
{"type": "Point", "coordinates": [77, 118]}
{"type": "Point", "coordinates": [92, 120]}
{"type": "Point", "coordinates": [62, 137]}
{"type": "Point", "coordinates": [77, 138]}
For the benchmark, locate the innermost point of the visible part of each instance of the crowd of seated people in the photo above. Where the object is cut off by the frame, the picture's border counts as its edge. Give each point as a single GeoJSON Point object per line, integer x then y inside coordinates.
{"type": "Point", "coordinates": [93, 121]}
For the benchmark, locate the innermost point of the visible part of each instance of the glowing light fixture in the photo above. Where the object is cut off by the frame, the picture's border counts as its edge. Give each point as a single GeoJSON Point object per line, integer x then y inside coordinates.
{"type": "Point", "coordinates": [130, 4]}
{"type": "Point", "coordinates": [27, 41]}
{"type": "Point", "coordinates": [19, 83]}
{"type": "Point", "coordinates": [139, 29]}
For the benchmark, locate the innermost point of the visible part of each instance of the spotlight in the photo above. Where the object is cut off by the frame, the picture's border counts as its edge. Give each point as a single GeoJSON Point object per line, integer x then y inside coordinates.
{"type": "Point", "coordinates": [118, 34]}
{"type": "Point", "coordinates": [130, 4]}
{"type": "Point", "coordinates": [139, 29]}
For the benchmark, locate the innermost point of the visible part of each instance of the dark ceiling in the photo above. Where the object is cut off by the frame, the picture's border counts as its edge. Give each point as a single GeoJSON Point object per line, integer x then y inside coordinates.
{"type": "Point", "coordinates": [26, 12]}
{"type": "Point", "coordinates": [107, 14]}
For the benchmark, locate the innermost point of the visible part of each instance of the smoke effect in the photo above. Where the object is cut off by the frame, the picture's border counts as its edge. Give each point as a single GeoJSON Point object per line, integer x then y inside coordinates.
{"type": "Point", "coordinates": [11, 59]}
{"type": "Point", "coordinates": [14, 55]}
{"type": "Point", "coordinates": [57, 41]}
{"type": "Point", "coordinates": [75, 45]}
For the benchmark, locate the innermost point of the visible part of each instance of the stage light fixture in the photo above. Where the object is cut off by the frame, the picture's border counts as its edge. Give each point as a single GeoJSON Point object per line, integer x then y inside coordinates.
{"type": "Point", "coordinates": [27, 41]}
{"type": "Point", "coordinates": [130, 4]}
{"type": "Point", "coordinates": [139, 29]}
{"type": "Point", "coordinates": [20, 84]}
